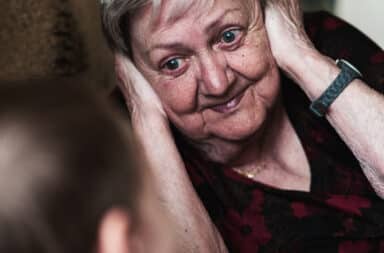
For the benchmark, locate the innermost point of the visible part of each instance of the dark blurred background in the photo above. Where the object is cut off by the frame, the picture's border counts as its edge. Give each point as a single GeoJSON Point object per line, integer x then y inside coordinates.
{"type": "Point", "coordinates": [313, 5]}
{"type": "Point", "coordinates": [366, 15]}
{"type": "Point", "coordinates": [62, 38]}
{"type": "Point", "coordinates": [53, 38]}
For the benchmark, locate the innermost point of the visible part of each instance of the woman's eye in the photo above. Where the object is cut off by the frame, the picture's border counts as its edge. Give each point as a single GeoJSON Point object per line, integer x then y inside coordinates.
{"type": "Point", "coordinates": [172, 64]}
{"type": "Point", "coordinates": [229, 36]}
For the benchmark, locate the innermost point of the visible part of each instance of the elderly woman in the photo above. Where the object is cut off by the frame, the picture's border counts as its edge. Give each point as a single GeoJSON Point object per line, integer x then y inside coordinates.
{"type": "Point", "coordinates": [272, 173]}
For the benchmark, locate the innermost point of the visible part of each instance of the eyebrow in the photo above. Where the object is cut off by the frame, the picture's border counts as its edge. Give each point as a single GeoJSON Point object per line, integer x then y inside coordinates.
{"type": "Point", "coordinates": [218, 20]}
{"type": "Point", "coordinates": [174, 45]}
{"type": "Point", "coordinates": [209, 27]}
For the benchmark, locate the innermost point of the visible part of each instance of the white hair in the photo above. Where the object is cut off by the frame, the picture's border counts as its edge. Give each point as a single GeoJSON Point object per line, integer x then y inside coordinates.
{"type": "Point", "coordinates": [116, 15]}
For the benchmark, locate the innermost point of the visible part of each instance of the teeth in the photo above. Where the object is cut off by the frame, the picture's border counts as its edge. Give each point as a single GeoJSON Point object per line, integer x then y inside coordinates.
{"type": "Point", "coordinates": [231, 103]}
{"type": "Point", "coordinates": [226, 107]}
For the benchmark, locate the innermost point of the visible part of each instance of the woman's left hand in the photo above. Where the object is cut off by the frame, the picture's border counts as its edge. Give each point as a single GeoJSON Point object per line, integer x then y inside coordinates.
{"type": "Point", "coordinates": [285, 28]}
{"type": "Point", "coordinates": [356, 106]}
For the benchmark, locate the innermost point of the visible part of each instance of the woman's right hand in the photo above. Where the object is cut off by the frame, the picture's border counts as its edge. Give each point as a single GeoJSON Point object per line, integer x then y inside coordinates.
{"type": "Point", "coordinates": [170, 178]}
{"type": "Point", "coordinates": [139, 95]}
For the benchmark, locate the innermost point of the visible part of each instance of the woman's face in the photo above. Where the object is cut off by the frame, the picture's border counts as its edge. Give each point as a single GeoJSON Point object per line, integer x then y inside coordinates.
{"type": "Point", "coordinates": [213, 70]}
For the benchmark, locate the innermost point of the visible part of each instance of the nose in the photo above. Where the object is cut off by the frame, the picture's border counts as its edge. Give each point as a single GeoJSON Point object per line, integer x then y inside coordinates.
{"type": "Point", "coordinates": [216, 76]}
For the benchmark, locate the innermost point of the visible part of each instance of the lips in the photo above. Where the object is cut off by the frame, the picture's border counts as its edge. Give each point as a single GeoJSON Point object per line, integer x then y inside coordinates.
{"type": "Point", "coordinates": [228, 106]}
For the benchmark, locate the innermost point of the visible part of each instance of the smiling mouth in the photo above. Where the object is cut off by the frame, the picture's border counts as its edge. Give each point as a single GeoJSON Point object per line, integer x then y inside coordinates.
{"type": "Point", "coordinates": [228, 106]}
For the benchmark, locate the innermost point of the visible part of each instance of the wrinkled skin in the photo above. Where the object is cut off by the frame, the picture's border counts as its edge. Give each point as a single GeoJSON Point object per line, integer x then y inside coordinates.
{"type": "Point", "coordinates": [216, 73]}
{"type": "Point", "coordinates": [212, 73]}
{"type": "Point", "coordinates": [286, 33]}
{"type": "Point", "coordinates": [222, 91]}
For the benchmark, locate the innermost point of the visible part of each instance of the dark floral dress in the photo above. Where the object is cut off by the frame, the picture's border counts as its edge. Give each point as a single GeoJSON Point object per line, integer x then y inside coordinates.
{"type": "Point", "coordinates": [341, 213]}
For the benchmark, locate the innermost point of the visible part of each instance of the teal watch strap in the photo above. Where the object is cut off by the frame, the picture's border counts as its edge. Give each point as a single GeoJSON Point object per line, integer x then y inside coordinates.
{"type": "Point", "coordinates": [347, 75]}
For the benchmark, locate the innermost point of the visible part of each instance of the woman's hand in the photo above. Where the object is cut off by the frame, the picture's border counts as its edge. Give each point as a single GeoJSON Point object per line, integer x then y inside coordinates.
{"type": "Point", "coordinates": [292, 49]}
{"type": "Point", "coordinates": [150, 126]}
{"type": "Point", "coordinates": [285, 28]}
{"type": "Point", "coordinates": [357, 114]}
{"type": "Point", "coordinates": [141, 99]}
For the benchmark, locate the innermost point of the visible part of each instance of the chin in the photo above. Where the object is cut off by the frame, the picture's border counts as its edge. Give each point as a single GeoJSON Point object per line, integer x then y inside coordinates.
{"type": "Point", "coordinates": [222, 151]}
{"type": "Point", "coordinates": [230, 139]}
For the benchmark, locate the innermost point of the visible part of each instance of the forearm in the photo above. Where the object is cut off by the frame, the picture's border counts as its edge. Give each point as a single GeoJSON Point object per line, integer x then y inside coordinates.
{"type": "Point", "coordinates": [195, 231]}
{"type": "Point", "coordinates": [357, 114]}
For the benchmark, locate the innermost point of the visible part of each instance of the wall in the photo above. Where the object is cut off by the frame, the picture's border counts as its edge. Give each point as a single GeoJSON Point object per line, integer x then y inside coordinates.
{"type": "Point", "coordinates": [366, 15]}
{"type": "Point", "coordinates": [53, 39]}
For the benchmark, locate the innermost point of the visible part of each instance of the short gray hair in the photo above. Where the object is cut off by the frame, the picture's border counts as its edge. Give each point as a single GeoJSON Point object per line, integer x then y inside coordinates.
{"type": "Point", "coordinates": [112, 17]}
{"type": "Point", "coordinates": [115, 18]}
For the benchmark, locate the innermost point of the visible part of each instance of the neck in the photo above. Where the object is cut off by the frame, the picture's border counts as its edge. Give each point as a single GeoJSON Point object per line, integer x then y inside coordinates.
{"type": "Point", "coordinates": [275, 151]}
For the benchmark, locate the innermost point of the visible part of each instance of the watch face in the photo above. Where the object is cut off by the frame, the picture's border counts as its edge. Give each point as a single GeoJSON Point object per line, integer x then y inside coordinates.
{"type": "Point", "coordinates": [340, 62]}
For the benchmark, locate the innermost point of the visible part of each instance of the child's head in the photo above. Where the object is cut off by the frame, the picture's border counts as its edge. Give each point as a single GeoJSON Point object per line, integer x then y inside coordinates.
{"type": "Point", "coordinates": [70, 179]}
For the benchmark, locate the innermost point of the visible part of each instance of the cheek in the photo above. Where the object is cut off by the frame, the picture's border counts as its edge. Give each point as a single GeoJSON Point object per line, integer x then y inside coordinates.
{"type": "Point", "coordinates": [178, 95]}
{"type": "Point", "coordinates": [179, 99]}
{"type": "Point", "coordinates": [269, 87]}
{"type": "Point", "coordinates": [191, 125]}
{"type": "Point", "coordinates": [254, 61]}
{"type": "Point", "coordinates": [254, 58]}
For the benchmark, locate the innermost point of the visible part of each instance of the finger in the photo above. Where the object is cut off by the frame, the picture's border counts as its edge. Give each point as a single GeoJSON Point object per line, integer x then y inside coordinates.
{"type": "Point", "coordinates": [121, 65]}
{"type": "Point", "coordinates": [123, 80]}
{"type": "Point", "coordinates": [137, 89]}
{"type": "Point", "coordinates": [130, 78]}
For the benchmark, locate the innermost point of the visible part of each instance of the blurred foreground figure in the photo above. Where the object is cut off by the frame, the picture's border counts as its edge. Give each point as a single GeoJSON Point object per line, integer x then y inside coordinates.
{"type": "Point", "coordinates": [68, 179]}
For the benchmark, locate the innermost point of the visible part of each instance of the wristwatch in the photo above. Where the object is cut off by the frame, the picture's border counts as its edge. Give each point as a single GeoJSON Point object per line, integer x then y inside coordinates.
{"type": "Point", "coordinates": [347, 75]}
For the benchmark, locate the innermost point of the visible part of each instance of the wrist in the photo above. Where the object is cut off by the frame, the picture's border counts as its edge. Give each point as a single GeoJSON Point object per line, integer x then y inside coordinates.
{"type": "Point", "coordinates": [312, 71]}
{"type": "Point", "coordinates": [347, 74]}
{"type": "Point", "coordinates": [290, 57]}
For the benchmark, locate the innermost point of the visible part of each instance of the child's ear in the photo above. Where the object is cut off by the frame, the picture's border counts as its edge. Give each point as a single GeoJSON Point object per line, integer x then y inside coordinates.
{"type": "Point", "coordinates": [115, 233]}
